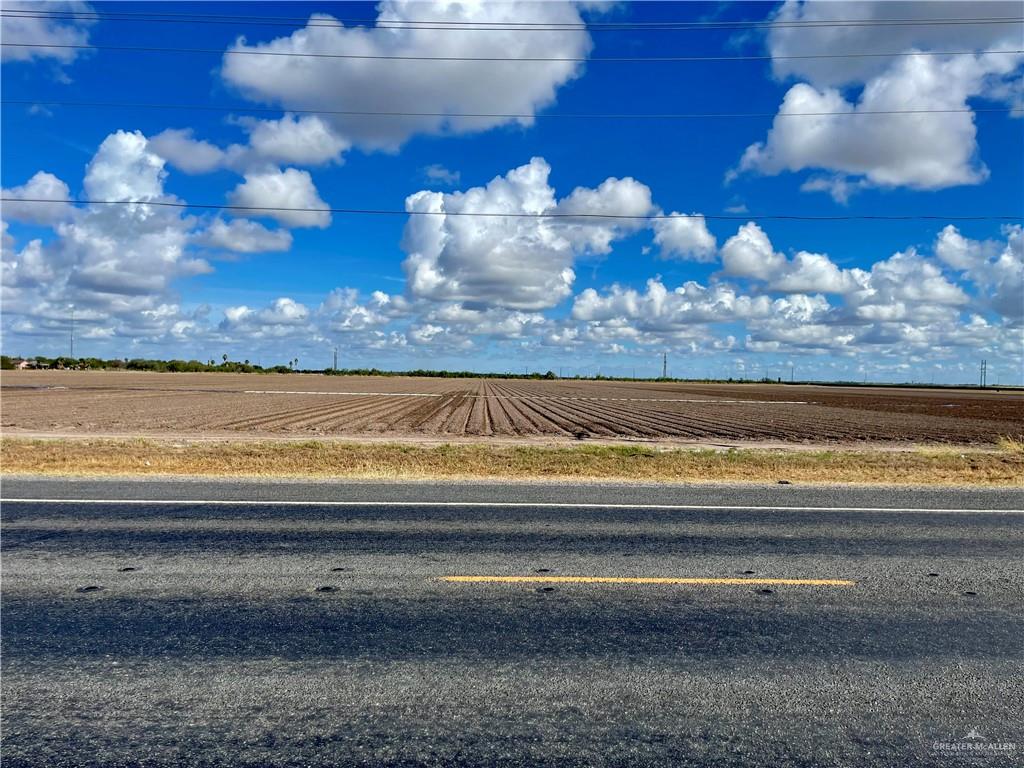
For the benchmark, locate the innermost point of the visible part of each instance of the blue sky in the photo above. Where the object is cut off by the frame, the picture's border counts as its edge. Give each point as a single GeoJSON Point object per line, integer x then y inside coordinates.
{"type": "Point", "coordinates": [884, 300]}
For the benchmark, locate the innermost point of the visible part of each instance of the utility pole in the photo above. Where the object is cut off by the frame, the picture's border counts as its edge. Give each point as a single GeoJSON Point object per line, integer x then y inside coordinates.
{"type": "Point", "coordinates": [664, 365]}
{"type": "Point", "coordinates": [335, 366]}
{"type": "Point", "coordinates": [72, 331]}
{"type": "Point", "coordinates": [984, 372]}
{"type": "Point", "coordinates": [792, 373]}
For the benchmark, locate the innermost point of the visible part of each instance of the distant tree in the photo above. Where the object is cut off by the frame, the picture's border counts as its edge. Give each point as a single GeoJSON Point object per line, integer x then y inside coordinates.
{"type": "Point", "coordinates": [224, 358]}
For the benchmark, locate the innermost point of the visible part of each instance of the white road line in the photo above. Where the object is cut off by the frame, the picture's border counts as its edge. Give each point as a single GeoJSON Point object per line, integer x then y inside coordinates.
{"type": "Point", "coordinates": [502, 504]}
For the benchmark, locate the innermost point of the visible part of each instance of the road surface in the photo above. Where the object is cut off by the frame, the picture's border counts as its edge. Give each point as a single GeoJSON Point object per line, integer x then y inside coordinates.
{"type": "Point", "coordinates": [311, 624]}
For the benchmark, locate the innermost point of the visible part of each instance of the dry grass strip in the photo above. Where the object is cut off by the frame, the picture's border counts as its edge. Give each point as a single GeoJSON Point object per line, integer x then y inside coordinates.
{"type": "Point", "coordinates": [325, 459]}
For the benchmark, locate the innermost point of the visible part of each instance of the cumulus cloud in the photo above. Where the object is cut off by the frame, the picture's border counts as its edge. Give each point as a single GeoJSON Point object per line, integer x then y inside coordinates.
{"type": "Point", "coordinates": [891, 286]}
{"type": "Point", "coordinates": [816, 273]}
{"type": "Point", "coordinates": [996, 267]}
{"type": "Point", "coordinates": [659, 309]}
{"type": "Point", "coordinates": [796, 40]}
{"type": "Point", "coordinates": [749, 253]}
{"type": "Point", "coordinates": [684, 237]}
{"type": "Point", "coordinates": [908, 303]}
{"type": "Point", "coordinates": [494, 323]}
{"type": "Point", "coordinates": [926, 151]}
{"type": "Point", "coordinates": [443, 87]}
{"type": "Point", "coordinates": [518, 261]}
{"type": "Point", "coordinates": [42, 186]}
{"type": "Point", "coordinates": [288, 188]}
{"type": "Point", "coordinates": [343, 311]}
{"type": "Point", "coordinates": [305, 140]}
{"type": "Point", "coordinates": [907, 278]}
{"type": "Point", "coordinates": [280, 318]}
{"type": "Point", "coordinates": [114, 263]}
{"type": "Point", "coordinates": [291, 140]}
{"type": "Point", "coordinates": [612, 197]}
{"type": "Point", "coordinates": [69, 27]}
{"type": "Point", "coordinates": [180, 149]}
{"type": "Point", "coordinates": [244, 236]}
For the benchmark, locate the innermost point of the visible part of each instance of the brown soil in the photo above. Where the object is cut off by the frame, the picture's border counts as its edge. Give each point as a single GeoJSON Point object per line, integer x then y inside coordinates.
{"type": "Point", "coordinates": [312, 405]}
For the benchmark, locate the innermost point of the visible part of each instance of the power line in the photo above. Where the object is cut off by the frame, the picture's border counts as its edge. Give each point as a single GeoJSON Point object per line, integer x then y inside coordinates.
{"type": "Point", "coordinates": [455, 25]}
{"type": "Point", "coordinates": [388, 57]}
{"type": "Point", "coordinates": [497, 115]}
{"type": "Point", "coordinates": [502, 214]}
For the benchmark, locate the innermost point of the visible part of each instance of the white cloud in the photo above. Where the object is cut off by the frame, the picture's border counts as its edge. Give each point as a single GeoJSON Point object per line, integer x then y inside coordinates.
{"type": "Point", "coordinates": [905, 289]}
{"type": "Point", "coordinates": [749, 253]}
{"type": "Point", "coordinates": [904, 304]}
{"type": "Point", "coordinates": [904, 279]}
{"type": "Point", "coordinates": [926, 151]}
{"type": "Point", "coordinates": [114, 263]}
{"type": "Point", "coordinates": [244, 236]}
{"type": "Point", "coordinates": [288, 188]}
{"type": "Point", "coordinates": [494, 323]}
{"type": "Point", "coordinates": [659, 309]}
{"type": "Point", "coordinates": [344, 313]}
{"type": "Point", "coordinates": [907, 276]}
{"type": "Point", "coordinates": [839, 187]}
{"type": "Point", "coordinates": [796, 40]}
{"type": "Point", "coordinates": [426, 334]}
{"type": "Point", "coordinates": [67, 28]}
{"type": "Point", "coordinates": [305, 140]}
{"type": "Point", "coordinates": [123, 168]}
{"type": "Point", "coordinates": [42, 186]}
{"type": "Point", "coordinates": [441, 175]}
{"type": "Point", "coordinates": [612, 197]}
{"type": "Point", "coordinates": [816, 273]}
{"type": "Point", "coordinates": [685, 237]}
{"type": "Point", "coordinates": [282, 318]}
{"type": "Point", "coordinates": [958, 251]}
{"type": "Point", "coordinates": [180, 149]}
{"type": "Point", "coordinates": [444, 87]}
{"type": "Point", "coordinates": [997, 268]}
{"type": "Point", "coordinates": [512, 262]}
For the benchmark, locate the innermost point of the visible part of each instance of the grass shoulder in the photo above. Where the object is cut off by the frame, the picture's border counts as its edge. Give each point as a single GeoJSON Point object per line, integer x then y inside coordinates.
{"type": "Point", "coordinates": [334, 459]}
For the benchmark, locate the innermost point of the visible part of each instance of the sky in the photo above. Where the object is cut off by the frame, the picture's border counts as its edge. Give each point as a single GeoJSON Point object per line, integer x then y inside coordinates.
{"type": "Point", "coordinates": [609, 240]}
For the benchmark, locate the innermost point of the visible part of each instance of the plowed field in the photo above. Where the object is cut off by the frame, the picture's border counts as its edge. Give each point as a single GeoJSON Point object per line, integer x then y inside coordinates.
{"type": "Point", "coordinates": [234, 404]}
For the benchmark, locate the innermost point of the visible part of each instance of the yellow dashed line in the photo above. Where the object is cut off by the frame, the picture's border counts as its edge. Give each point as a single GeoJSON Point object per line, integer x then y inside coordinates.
{"type": "Point", "coordinates": [646, 580]}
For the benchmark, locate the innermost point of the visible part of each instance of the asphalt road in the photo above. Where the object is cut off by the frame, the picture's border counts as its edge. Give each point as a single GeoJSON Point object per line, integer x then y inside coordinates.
{"type": "Point", "coordinates": [309, 624]}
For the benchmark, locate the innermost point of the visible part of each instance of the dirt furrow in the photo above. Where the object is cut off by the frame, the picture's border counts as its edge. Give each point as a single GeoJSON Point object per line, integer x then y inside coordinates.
{"type": "Point", "coordinates": [424, 420]}
{"type": "Point", "coordinates": [384, 418]}
{"type": "Point", "coordinates": [520, 415]}
{"type": "Point", "coordinates": [267, 418]}
{"type": "Point", "coordinates": [497, 417]}
{"type": "Point", "coordinates": [350, 418]}
{"type": "Point", "coordinates": [312, 417]}
{"type": "Point", "coordinates": [583, 419]}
